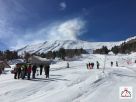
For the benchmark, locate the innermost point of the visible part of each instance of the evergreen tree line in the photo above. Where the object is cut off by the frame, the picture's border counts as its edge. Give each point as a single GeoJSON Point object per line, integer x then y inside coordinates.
{"type": "Point", "coordinates": [124, 48]}
{"type": "Point", "coordinates": [8, 55]}
{"type": "Point", "coordinates": [103, 50]}
{"type": "Point", "coordinates": [62, 53]}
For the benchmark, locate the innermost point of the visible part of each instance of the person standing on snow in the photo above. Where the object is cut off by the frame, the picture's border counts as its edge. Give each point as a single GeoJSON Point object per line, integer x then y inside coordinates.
{"type": "Point", "coordinates": [15, 72]}
{"type": "Point", "coordinates": [89, 65]}
{"type": "Point", "coordinates": [98, 64]}
{"type": "Point", "coordinates": [18, 71]}
{"type": "Point", "coordinates": [67, 65]}
{"type": "Point", "coordinates": [116, 64]}
{"type": "Point", "coordinates": [41, 69]}
{"type": "Point", "coordinates": [0, 71]}
{"type": "Point", "coordinates": [111, 63]}
{"type": "Point", "coordinates": [47, 69]}
{"type": "Point", "coordinates": [92, 64]}
{"type": "Point", "coordinates": [23, 71]}
{"type": "Point", "coordinates": [29, 68]}
{"type": "Point", "coordinates": [34, 70]}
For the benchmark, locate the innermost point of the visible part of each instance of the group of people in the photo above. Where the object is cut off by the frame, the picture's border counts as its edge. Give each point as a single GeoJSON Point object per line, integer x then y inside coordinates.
{"type": "Point", "coordinates": [116, 64]}
{"type": "Point", "coordinates": [23, 71]}
{"type": "Point", "coordinates": [91, 65]}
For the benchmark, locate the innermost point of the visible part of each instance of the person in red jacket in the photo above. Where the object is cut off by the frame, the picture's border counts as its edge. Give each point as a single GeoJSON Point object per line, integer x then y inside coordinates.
{"type": "Point", "coordinates": [29, 69]}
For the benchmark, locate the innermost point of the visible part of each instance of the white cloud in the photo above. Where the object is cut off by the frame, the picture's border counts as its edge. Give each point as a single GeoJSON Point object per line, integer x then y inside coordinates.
{"type": "Point", "coordinates": [16, 38]}
{"type": "Point", "coordinates": [63, 5]}
{"type": "Point", "coordinates": [66, 30]}
{"type": "Point", "coordinates": [8, 33]}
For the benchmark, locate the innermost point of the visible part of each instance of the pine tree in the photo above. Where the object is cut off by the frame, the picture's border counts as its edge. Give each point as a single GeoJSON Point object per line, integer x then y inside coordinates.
{"type": "Point", "coordinates": [62, 53]}
{"type": "Point", "coordinates": [115, 50]}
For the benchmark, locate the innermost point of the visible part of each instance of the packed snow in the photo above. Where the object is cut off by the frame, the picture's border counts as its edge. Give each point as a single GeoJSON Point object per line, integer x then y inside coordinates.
{"type": "Point", "coordinates": [75, 84]}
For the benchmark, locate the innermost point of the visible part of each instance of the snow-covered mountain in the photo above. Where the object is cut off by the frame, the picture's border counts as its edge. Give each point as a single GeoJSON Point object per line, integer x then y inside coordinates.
{"type": "Point", "coordinates": [67, 44]}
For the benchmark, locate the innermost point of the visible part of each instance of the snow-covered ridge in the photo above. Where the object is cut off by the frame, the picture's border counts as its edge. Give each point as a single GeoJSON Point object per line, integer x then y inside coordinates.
{"type": "Point", "coordinates": [131, 38]}
{"type": "Point", "coordinates": [67, 44]}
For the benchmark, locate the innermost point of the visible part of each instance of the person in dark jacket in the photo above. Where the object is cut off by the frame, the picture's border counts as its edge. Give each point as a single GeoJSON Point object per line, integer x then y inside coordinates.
{"type": "Point", "coordinates": [23, 71]}
{"type": "Point", "coordinates": [0, 71]}
{"type": "Point", "coordinates": [18, 72]}
{"type": "Point", "coordinates": [29, 68]}
{"type": "Point", "coordinates": [34, 70]}
{"type": "Point", "coordinates": [98, 64]}
{"type": "Point", "coordinates": [15, 72]}
{"type": "Point", "coordinates": [67, 65]}
{"type": "Point", "coordinates": [89, 66]}
{"type": "Point", "coordinates": [92, 64]}
{"type": "Point", "coordinates": [47, 69]}
{"type": "Point", "coordinates": [116, 64]}
{"type": "Point", "coordinates": [41, 69]}
{"type": "Point", "coordinates": [111, 63]}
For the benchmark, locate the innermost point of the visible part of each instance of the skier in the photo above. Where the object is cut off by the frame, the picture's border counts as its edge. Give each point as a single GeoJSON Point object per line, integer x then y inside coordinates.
{"type": "Point", "coordinates": [47, 69]}
{"type": "Point", "coordinates": [34, 70]}
{"type": "Point", "coordinates": [98, 64]}
{"type": "Point", "coordinates": [29, 72]}
{"type": "Point", "coordinates": [41, 69]}
{"type": "Point", "coordinates": [111, 63]}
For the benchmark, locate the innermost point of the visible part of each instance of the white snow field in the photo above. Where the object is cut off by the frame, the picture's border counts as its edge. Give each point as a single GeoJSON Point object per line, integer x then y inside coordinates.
{"type": "Point", "coordinates": [75, 84]}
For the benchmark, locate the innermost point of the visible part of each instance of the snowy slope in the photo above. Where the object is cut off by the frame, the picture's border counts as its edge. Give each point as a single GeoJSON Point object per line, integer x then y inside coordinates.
{"type": "Point", "coordinates": [131, 38]}
{"type": "Point", "coordinates": [67, 44]}
{"type": "Point", "coordinates": [74, 84]}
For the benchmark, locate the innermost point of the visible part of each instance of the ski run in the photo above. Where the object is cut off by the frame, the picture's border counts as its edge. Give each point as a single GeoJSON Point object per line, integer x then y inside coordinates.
{"type": "Point", "coordinates": [75, 84]}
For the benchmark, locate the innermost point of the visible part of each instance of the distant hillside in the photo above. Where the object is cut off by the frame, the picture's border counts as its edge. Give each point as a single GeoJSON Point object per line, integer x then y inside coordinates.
{"type": "Point", "coordinates": [126, 47]}
{"type": "Point", "coordinates": [66, 44]}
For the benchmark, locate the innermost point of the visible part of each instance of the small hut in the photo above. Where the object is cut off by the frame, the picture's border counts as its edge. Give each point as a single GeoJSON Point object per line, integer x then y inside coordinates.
{"type": "Point", "coordinates": [4, 64]}
{"type": "Point", "coordinates": [38, 60]}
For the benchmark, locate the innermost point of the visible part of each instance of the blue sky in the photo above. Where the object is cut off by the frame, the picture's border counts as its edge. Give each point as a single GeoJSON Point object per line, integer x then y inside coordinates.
{"type": "Point", "coordinates": [25, 22]}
